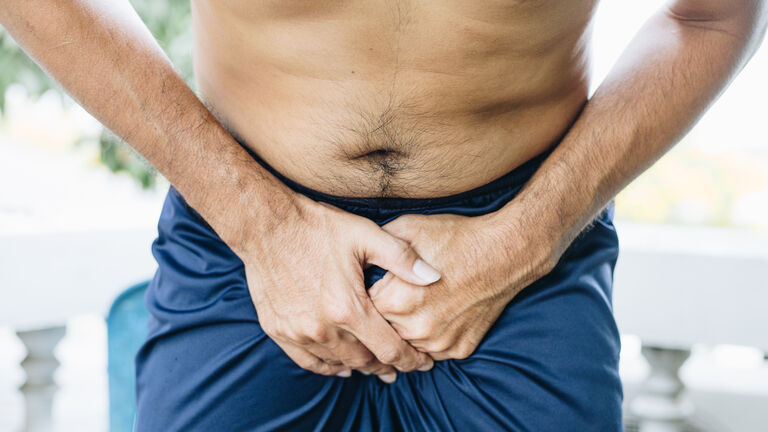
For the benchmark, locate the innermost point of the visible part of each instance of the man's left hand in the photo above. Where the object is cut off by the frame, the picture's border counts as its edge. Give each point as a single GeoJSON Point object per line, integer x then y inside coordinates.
{"type": "Point", "coordinates": [483, 264]}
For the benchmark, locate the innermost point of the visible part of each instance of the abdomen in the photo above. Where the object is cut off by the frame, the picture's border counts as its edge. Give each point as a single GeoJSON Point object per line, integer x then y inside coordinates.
{"type": "Point", "coordinates": [371, 99]}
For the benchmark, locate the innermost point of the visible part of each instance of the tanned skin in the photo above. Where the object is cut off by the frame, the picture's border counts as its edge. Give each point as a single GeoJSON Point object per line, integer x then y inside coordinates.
{"type": "Point", "coordinates": [391, 98]}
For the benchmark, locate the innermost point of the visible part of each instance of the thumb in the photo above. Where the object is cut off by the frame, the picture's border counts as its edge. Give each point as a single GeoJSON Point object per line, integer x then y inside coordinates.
{"type": "Point", "coordinates": [397, 256]}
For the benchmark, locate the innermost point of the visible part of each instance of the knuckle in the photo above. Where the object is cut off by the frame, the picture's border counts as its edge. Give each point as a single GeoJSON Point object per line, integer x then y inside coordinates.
{"type": "Point", "coordinates": [325, 369]}
{"type": "Point", "coordinates": [462, 352]}
{"type": "Point", "coordinates": [315, 331]}
{"type": "Point", "coordinates": [425, 328]}
{"type": "Point", "coordinates": [362, 361]}
{"type": "Point", "coordinates": [301, 339]}
{"type": "Point", "coordinates": [405, 300]}
{"type": "Point", "coordinates": [410, 366]}
{"type": "Point", "coordinates": [339, 314]}
{"type": "Point", "coordinates": [396, 304]}
{"type": "Point", "coordinates": [390, 356]}
{"type": "Point", "coordinates": [317, 366]}
{"type": "Point", "coordinates": [295, 335]}
{"type": "Point", "coordinates": [439, 346]}
{"type": "Point", "coordinates": [381, 369]}
{"type": "Point", "coordinates": [312, 365]}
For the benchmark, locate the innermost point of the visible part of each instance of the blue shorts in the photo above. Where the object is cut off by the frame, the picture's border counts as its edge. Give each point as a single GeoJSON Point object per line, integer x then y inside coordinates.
{"type": "Point", "coordinates": [550, 362]}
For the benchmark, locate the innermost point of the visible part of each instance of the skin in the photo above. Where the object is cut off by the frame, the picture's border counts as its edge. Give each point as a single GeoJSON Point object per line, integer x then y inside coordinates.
{"type": "Point", "coordinates": [364, 99]}
{"type": "Point", "coordinates": [375, 98]}
{"type": "Point", "coordinates": [672, 71]}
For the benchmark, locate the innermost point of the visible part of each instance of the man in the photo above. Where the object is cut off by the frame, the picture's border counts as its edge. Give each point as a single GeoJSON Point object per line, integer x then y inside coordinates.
{"type": "Point", "coordinates": [417, 191]}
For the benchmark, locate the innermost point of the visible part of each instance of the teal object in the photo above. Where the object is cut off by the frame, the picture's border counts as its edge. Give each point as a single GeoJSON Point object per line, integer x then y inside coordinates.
{"type": "Point", "coordinates": [126, 331]}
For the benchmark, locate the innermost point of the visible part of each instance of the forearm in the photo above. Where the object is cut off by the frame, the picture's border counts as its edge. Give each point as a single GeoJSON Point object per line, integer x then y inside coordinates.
{"type": "Point", "coordinates": [105, 57]}
{"type": "Point", "coordinates": [663, 82]}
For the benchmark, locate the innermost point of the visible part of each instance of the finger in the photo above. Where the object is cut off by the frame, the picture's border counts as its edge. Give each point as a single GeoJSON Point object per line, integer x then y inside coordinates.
{"type": "Point", "coordinates": [373, 331]}
{"type": "Point", "coordinates": [440, 356]}
{"type": "Point", "coordinates": [351, 353]}
{"type": "Point", "coordinates": [444, 350]}
{"type": "Point", "coordinates": [397, 256]}
{"type": "Point", "coordinates": [437, 351]}
{"type": "Point", "coordinates": [380, 285]}
{"type": "Point", "coordinates": [394, 296]}
{"type": "Point", "coordinates": [311, 362]}
{"type": "Point", "coordinates": [398, 226]}
{"type": "Point", "coordinates": [382, 369]}
{"type": "Point", "coordinates": [375, 367]}
{"type": "Point", "coordinates": [456, 353]}
{"type": "Point", "coordinates": [356, 356]}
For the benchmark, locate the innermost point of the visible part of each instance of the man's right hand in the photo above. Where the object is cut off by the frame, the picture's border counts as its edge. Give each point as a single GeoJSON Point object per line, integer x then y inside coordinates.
{"type": "Point", "coordinates": [306, 280]}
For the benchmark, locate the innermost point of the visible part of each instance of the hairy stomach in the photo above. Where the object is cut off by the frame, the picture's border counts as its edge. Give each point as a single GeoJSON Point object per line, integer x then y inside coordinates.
{"type": "Point", "coordinates": [376, 143]}
{"type": "Point", "coordinates": [365, 106]}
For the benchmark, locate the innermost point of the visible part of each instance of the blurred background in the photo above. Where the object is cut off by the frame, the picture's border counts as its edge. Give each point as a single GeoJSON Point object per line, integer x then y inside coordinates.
{"type": "Point", "coordinates": [78, 210]}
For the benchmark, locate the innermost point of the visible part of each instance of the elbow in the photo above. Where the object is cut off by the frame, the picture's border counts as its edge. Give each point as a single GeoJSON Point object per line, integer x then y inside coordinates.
{"type": "Point", "coordinates": [746, 19]}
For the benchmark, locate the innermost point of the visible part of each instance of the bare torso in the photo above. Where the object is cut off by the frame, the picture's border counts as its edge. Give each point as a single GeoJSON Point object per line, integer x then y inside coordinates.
{"type": "Point", "coordinates": [394, 97]}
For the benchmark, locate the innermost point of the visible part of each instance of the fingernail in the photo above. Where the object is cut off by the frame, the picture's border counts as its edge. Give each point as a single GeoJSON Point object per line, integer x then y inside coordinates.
{"type": "Point", "coordinates": [388, 378]}
{"type": "Point", "coordinates": [425, 271]}
{"type": "Point", "coordinates": [365, 372]}
{"type": "Point", "coordinates": [345, 373]}
{"type": "Point", "coordinates": [427, 366]}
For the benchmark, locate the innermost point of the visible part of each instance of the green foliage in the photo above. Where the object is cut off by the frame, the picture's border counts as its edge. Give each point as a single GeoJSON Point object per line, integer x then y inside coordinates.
{"type": "Point", "coordinates": [171, 24]}
{"type": "Point", "coordinates": [17, 68]}
{"type": "Point", "coordinates": [168, 20]}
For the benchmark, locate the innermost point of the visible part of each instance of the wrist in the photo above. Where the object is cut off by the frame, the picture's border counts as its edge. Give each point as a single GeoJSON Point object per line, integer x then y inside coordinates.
{"type": "Point", "coordinates": [525, 252]}
{"type": "Point", "coordinates": [554, 205]}
{"type": "Point", "coordinates": [256, 217]}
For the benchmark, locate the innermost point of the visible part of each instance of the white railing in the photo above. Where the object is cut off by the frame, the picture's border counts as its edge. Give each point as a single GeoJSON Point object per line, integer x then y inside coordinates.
{"type": "Point", "coordinates": [674, 287]}
{"type": "Point", "coordinates": [678, 286]}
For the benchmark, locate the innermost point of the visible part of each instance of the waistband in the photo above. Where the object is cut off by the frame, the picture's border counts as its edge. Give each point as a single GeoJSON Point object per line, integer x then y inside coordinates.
{"type": "Point", "coordinates": [514, 179]}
